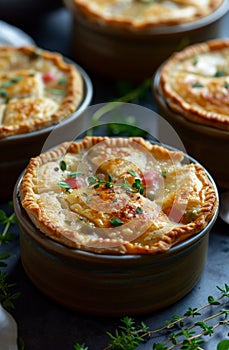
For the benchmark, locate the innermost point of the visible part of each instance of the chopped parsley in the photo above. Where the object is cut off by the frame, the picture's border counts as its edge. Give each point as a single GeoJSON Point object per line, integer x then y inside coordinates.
{"type": "Point", "coordinates": [62, 81]}
{"type": "Point", "coordinates": [64, 185]}
{"type": "Point", "coordinates": [220, 73]}
{"type": "Point", "coordinates": [57, 92]}
{"type": "Point", "coordinates": [63, 165]}
{"type": "Point", "coordinates": [195, 61]}
{"type": "Point", "coordinates": [115, 222]}
{"type": "Point", "coordinates": [226, 85]}
{"type": "Point", "coordinates": [137, 185]}
{"type": "Point", "coordinates": [6, 84]}
{"type": "Point", "coordinates": [75, 173]}
{"type": "Point", "coordinates": [132, 172]}
{"type": "Point", "coordinates": [16, 79]}
{"type": "Point", "coordinates": [197, 85]}
{"type": "Point", "coordinates": [3, 93]}
{"type": "Point", "coordinates": [139, 210]}
{"type": "Point", "coordinates": [163, 173]}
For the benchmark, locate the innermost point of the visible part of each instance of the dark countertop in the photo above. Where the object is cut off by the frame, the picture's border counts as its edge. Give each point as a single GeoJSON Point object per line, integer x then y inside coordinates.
{"type": "Point", "coordinates": [41, 322]}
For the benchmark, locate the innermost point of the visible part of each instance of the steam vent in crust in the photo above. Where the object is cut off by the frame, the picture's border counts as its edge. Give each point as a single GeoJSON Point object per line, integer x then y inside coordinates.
{"type": "Point", "coordinates": [195, 83]}
{"type": "Point", "coordinates": [37, 89]}
{"type": "Point", "coordinates": [117, 196]}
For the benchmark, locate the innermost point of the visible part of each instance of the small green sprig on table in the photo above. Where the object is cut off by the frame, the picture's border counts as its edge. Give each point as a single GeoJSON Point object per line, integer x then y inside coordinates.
{"type": "Point", "coordinates": [181, 332]}
{"type": "Point", "coordinates": [7, 297]}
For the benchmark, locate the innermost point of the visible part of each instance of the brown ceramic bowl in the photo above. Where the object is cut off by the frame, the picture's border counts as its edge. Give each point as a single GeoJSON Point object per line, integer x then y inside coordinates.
{"type": "Point", "coordinates": [107, 284]}
{"type": "Point", "coordinates": [210, 146]}
{"type": "Point", "coordinates": [17, 150]}
{"type": "Point", "coordinates": [135, 54]}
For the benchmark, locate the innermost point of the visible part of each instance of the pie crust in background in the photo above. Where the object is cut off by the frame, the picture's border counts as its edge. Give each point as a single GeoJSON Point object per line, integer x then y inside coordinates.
{"type": "Point", "coordinates": [195, 83]}
{"type": "Point", "coordinates": [37, 89]}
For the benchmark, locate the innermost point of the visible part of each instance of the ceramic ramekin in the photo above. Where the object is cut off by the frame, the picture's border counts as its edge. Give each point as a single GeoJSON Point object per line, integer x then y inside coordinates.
{"type": "Point", "coordinates": [120, 53]}
{"type": "Point", "coordinates": [110, 285]}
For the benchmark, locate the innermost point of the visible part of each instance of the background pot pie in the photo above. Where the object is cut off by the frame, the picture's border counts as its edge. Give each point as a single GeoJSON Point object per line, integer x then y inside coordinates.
{"type": "Point", "coordinates": [37, 89]}
{"type": "Point", "coordinates": [118, 196]}
{"type": "Point", "coordinates": [195, 83]}
{"type": "Point", "coordinates": [142, 14]}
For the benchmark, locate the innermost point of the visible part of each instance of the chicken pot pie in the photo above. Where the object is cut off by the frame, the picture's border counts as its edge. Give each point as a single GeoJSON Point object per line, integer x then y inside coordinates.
{"type": "Point", "coordinates": [195, 83]}
{"type": "Point", "coordinates": [118, 196]}
{"type": "Point", "coordinates": [143, 14]}
{"type": "Point", "coordinates": [37, 89]}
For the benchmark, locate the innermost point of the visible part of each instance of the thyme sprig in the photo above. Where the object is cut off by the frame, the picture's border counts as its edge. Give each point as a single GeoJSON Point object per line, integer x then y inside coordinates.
{"type": "Point", "coordinates": [6, 221]}
{"type": "Point", "coordinates": [7, 297]}
{"type": "Point", "coordinates": [136, 186]}
{"type": "Point", "coordinates": [180, 332]}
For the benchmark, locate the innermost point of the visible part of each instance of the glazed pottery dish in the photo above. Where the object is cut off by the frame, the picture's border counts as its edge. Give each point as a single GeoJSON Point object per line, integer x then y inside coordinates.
{"type": "Point", "coordinates": [192, 92]}
{"type": "Point", "coordinates": [129, 39]}
{"type": "Point", "coordinates": [39, 90]}
{"type": "Point", "coordinates": [111, 214]}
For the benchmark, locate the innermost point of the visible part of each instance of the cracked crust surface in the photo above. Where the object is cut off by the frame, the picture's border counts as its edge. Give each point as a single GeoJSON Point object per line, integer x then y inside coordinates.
{"type": "Point", "coordinates": [37, 89]}
{"type": "Point", "coordinates": [117, 196]}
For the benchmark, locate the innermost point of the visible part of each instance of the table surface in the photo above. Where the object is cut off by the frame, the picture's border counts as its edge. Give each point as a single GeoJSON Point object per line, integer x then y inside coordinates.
{"type": "Point", "coordinates": [45, 325]}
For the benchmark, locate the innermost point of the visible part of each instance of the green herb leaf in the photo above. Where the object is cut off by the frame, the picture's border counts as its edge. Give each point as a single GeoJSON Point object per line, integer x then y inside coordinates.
{"type": "Point", "coordinates": [16, 79]}
{"type": "Point", "coordinates": [195, 61]}
{"type": "Point", "coordinates": [62, 81]}
{"type": "Point", "coordinates": [139, 210]}
{"type": "Point", "coordinates": [212, 301]}
{"type": "Point", "coordinates": [197, 85]}
{"type": "Point", "coordinates": [63, 184]}
{"type": "Point", "coordinates": [220, 73]}
{"type": "Point", "coordinates": [132, 172]}
{"type": "Point", "coordinates": [57, 92]}
{"type": "Point", "coordinates": [75, 173]}
{"type": "Point", "coordinates": [63, 165]}
{"type": "Point", "coordinates": [223, 345]}
{"type": "Point", "coordinates": [4, 256]}
{"type": "Point", "coordinates": [91, 180]}
{"type": "Point", "coordinates": [6, 84]}
{"type": "Point", "coordinates": [115, 222]}
{"type": "Point", "coordinates": [3, 93]}
{"type": "Point", "coordinates": [163, 173]}
{"type": "Point", "coordinates": [80, 347]}
{"type": "Point", "coordinates": [226, 85]}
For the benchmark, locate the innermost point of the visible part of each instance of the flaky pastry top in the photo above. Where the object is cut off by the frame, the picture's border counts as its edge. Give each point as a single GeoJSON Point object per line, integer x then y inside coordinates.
{"type": "Point", "coordinates": [37, 89]}
{"type": "Point", "coordinates": [117, 196]}
{"type": "Point", "coordinates": [195, 83]}
{"type": "Point", "coordinates": [143, 14]}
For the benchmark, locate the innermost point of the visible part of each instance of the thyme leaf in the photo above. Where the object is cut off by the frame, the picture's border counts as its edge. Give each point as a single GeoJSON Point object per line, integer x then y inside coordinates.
{"type": "Point", "coordinates": [115, 222]}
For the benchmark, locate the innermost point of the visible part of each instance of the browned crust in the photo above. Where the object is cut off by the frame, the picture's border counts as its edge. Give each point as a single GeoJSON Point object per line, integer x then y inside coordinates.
{"type": "Point", "coordinates": [84, 8]}
{"type": "Point", "coordinates": [31, 202]}
{"type": "Point", "coordinates": [69, 105]}
{"type": "Point", "coordinates": [175, 101]}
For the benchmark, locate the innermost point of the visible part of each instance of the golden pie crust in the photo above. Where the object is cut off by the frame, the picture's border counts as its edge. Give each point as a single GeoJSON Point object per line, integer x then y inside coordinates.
{"type": "Point", "coordinates": [37, 89]}
{"type": "Point", "coordinates": [195, 83]}
{"type": "Point", "coordinates": [143, 14]}
{"type": "Point", "coordinates": [117, 196]}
